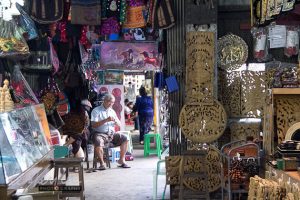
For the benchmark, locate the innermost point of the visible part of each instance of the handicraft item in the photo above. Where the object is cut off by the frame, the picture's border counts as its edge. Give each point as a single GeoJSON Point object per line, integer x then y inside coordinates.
{"type": "Point", "coordinates": [232, 52]}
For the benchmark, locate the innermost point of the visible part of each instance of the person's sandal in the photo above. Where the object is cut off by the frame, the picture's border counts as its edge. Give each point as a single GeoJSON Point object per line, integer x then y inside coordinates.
{"type": "Point", "coordinates": [124, 166]}
{"type": "Point", "coordinates": [101, 167]}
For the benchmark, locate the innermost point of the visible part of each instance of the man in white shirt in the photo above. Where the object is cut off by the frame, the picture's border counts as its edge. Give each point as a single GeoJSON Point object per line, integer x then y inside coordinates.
{"type": "Point", "coordinates": [103, 120]}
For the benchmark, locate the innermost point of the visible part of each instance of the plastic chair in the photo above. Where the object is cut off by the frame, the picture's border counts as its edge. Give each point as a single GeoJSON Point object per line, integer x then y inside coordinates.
{"type": "Point", "coordinates": [147, 148]}
{"type": "Point", "coordinates": [160, 171]}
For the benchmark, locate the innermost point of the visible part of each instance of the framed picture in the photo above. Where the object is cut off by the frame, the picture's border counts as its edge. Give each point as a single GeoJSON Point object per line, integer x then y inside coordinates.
{"type": "Point", "coordinates": [113, 77]}
{"type": "Point", "coordinates": [130, 56]}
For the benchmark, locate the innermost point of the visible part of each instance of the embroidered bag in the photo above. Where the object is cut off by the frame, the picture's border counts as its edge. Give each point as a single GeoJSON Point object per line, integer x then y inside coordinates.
{"type": "Point", "coordinates": [86, 12]}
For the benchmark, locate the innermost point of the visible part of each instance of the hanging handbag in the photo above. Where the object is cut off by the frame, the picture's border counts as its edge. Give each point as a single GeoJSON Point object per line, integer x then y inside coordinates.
{"type": "Point", "coordinates": [46, 11]}
{"type": "Point", "coordinates": [86, 12]}
{"type": "Point", "coordinates": [26, 23]}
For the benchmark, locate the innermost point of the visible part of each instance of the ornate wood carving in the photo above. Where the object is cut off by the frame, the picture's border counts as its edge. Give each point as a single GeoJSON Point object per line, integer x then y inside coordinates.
{"type": "Point", "coordinates": [199, 67]}
{"type": "Point", "coordinates": [203, 123]}
{"type": "Point", "coordinates": [213, 160]}
{"type": "Point", "coordinates": [240, 130]}
{"type": "Point", "coordinates": [232, 52]}
{"type": "Point", "coordinates": [230, 84]}
{"type": "Point", "coordinates": [287, 112]}
{"type": "Point", "coordinates": [253, 93]}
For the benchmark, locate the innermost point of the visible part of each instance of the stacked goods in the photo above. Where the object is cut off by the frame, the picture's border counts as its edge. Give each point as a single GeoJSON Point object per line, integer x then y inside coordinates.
{"type": "Point", "coordinates": [260, 189]}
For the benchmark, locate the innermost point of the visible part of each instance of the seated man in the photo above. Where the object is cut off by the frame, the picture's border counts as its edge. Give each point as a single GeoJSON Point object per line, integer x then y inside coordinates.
{"type": "Point", "coordinates": [103, 120]}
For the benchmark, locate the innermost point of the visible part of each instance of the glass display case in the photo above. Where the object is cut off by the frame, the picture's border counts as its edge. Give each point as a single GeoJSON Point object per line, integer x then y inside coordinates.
{"type": "Point", "coordinates": [24, 140]}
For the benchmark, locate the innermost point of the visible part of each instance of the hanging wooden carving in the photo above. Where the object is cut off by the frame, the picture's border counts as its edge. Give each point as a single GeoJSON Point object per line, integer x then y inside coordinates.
{"type": "Point", "coordinates": [203, 123]}
{"type": "Point", "coordinates": [213, 160]}
{"type": "Point", "coordinates": [230, 84]}
{"type": "Point", "coordinates": [287, 112]}
{"type": "Point", "coordinates": [199, 67]}
{"type": "Point", "coordinates": [232, 52]}
{"type": "Point", "coordinates": [253, 93]}
{"type": "Point", "coordinates": [240, 131]}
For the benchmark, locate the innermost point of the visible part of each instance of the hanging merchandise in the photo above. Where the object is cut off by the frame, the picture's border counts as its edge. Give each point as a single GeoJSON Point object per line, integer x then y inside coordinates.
{"type": "Point", "coordinates": [22, 93]}
{"type": "Point", "coordinates": [86, 12]}
{"type": "Point", "coordinates": [53, 57]}
{"type": "Point", "coordinates": [260, 49]}
{"type": "Point", "coordinates": [288, 5]}
{"type": "Point", "coordinates": [12, 43]}
{"type": "Point", "coordinates": [115, 8]}
{"type": "Point", "coordinates": [292, 41]}
{"type": "Point", "coordinates": [45, 11]}
{"type": "Point", "coordinates": [162, 16]}
{"type": "Point", "coordinates": [232, 52]}
{"type": "Point", "coordinates": [135, 17]}
{"type": "Point", "coordinates": [27, 24]}
{"type": "Point", "coordinates": [110, 26]}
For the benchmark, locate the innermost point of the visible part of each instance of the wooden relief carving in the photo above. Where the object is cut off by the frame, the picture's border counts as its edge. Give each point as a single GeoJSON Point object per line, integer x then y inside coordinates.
{"type": "Point", "coordinates": [199, 67]}
{"type": "Point", "coordinates": [172, 169]}
{"type": "Point", "coordinates": [213, 168]}
{"type": "Point", "coordinates": [232, 52]}
{"type": "Point", "coordinates": [287, 112]}
{"type": "Point", "coordinates": [230, 85]}
{"type": "Point", "coordinates": [203, 123]}
{"type": "Point", "coordinates": [253, 93]}
{"type": "Point", "coordinates": [240, 131]}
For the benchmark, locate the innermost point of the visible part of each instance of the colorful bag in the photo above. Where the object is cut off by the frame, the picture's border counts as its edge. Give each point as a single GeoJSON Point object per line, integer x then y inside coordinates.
{"type": "Point", "coordinates": [87, 12]}
{"type": "Point", "coordinates": [46, 11]}
{"type": "Point", "coordinates": [12, 43]}
{"type": "Point", "coordinates": [135, 17]}
{"type": "Point", "coordinates": [27, 23]}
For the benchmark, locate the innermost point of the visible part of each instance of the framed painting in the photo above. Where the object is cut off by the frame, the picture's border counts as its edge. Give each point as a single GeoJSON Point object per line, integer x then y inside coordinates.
{"type": "Point", "coordinates": [113, 77]}
{"type": "Point", "coordinates": [130, 56]}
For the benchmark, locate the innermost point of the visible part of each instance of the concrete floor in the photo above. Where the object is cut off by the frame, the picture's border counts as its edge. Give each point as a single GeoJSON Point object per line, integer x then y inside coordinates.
{"type": "Point", "coordinates": [135, 183]}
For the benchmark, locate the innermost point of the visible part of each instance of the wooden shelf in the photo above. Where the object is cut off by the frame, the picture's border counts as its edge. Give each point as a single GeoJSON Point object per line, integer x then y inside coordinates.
{"type": "Point", "coordinates": [286, 91]}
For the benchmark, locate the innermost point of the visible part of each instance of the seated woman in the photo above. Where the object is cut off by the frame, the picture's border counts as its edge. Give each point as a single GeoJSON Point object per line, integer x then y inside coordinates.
{"type": "Point", "coordinates": [79, 140]}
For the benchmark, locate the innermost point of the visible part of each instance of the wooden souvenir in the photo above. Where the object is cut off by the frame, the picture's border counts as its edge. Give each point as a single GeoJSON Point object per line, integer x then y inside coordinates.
{"type": "Point", "coordinates": [203, 123]}
{"type": "Point", "coordinates": [253, 93]}
{"type": "Point", "coordinates": [230, 92]}
{"type": "Point", "coordinates": [213, 160]}
{"type": "Point", "coordinates": [240, 131]}
{"type": "Point", "coordinates": [287, 112]}
{"type": "Point", "coordinates": [232, 52]}
{"type": "Point", "coordinates": [199, 67]}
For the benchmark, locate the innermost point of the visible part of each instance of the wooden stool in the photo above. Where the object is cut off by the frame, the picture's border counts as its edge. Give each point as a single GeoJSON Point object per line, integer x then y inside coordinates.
{"type": "Point", "coordinates": [69, 163]}
{"type": "Point", "coordinates": [105, 158]}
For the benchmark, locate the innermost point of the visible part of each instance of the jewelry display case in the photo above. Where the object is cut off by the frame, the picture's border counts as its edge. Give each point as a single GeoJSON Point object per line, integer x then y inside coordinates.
{"type": "Point", "coordinates": [24, 148]}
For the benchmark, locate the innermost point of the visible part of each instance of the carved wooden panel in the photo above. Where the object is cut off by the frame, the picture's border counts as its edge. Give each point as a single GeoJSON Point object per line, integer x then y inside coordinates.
{"type": "Point", "coordinates": [287, 112]}
{"type": "Point", "coordinates": [253, 93]}
{"type": "Point", "coordinates": [172, 169]}
{"type": "Point", "coordinates": [240, 130]}
{"type": "Point", "coordinates": [230, 84]}
{"type": "Point", "coordinates": [213, 168]}
{"type": "Point", "coordinates": [203, 123]}
{"type": "Point", "coordinates": [232, 52]}
{"type": "Point", "coordinates": [199, 67]}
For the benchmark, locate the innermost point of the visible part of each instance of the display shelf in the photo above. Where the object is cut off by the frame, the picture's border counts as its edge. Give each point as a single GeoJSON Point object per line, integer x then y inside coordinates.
{"type": "Point", "coordinates": [25, 155]}
{"type": "Point", "coordinates": [278, 91]}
